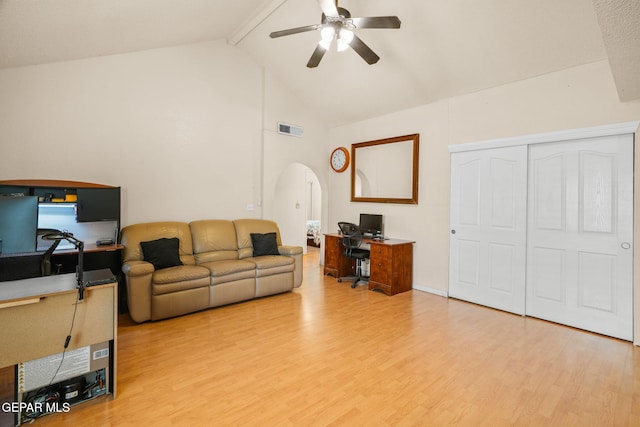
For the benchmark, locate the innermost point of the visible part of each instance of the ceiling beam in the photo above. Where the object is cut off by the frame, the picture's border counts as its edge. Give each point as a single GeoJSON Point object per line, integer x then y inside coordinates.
{"type": "Point", "coordinates": [252, 22]}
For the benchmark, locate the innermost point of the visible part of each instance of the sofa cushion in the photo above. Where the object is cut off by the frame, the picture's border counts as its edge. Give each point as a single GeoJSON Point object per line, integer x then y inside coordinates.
{"type": "Point", "coordinates": [227, 271]}
{"type": "Point", "coordinates": [133, 234]}
{"type": "Point", "coordinates": [264, 244]}
{"type": "Point", "coordinates": [227, 267]}
{"type": "Point", "coordinates": [272, 264]}
{"type": "Point", "coordinates": [213, 240]}
{"type": "Point", "coordinates": [180, 278]}
{"type": "Point", "coordinates": [244, 228]}
{"type": "Point", "coordinates": [179, 273]}
{"type": "Point", "coordinates": [162, 253]}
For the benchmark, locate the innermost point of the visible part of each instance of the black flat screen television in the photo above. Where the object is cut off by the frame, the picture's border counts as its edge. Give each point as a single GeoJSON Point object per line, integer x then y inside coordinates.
{"type": "Point", "coordinates": [18, 224]}
{"type": "Point", "coordinates": [371, 224]}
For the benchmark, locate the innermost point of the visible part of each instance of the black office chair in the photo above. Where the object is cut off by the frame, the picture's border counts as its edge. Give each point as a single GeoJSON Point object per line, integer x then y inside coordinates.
{"type": "Point", "coordinates": [351, 240]}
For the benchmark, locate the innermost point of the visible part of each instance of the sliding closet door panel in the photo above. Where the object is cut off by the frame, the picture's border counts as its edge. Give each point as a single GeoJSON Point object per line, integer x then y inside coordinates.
{"type": "Point", "coordinates": [469, 187]}
{"type": "Point", "coordinates": [550, 197]}
{"type": "Point", "coordinates": [580, 233]}
{"type": "Point", "coordinates": [548, 272]}
{"type": "Point", "coordinates": [488, 227]}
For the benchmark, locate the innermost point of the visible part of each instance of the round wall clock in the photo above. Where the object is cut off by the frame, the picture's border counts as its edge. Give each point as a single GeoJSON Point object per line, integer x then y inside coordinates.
{"type": "Point", "coordinates": [339, 159]}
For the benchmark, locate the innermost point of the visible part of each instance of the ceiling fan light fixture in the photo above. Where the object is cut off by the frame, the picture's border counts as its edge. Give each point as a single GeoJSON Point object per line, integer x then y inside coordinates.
{"type": "Point", "coordinates": [325, 44]}
{"type": "Point", "coordinates": [342, 45]}
{"type": "Point", "coordinates": [346, 35]}
{"type": "Point", "coordinates": [327, 33]}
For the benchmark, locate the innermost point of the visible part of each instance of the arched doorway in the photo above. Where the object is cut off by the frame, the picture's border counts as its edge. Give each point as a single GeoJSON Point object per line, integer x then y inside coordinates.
{"type": "Point", "coordinates": [298, 206]}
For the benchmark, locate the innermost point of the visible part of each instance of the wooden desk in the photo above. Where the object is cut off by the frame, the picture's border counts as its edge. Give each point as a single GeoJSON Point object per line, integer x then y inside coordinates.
{"type": "Point", "coordinates": [27, 265]}
{"type": "Point", "coordinates": [36, 316]}
{"type": "Point", "coordinates": [391, 263]}
{"type": "Point", "coordinates": [95, 258]}
{"type": "Point", "coordinates": [90, 248]}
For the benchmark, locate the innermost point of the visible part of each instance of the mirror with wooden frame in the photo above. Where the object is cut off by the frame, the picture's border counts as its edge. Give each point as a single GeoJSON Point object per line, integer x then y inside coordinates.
{"type": "Point", "coordinates": [386, 170]}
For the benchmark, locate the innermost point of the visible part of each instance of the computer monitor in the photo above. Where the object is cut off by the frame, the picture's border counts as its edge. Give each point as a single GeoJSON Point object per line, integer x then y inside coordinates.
{"type": "Point", "coordinates": [18, 224]}
{"type": "Point", "coordinates": [371, 224]}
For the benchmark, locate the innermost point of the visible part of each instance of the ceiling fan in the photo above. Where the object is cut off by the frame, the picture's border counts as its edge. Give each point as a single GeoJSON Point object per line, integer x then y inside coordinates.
{"type": "Point", "coordinates": [337, 23]}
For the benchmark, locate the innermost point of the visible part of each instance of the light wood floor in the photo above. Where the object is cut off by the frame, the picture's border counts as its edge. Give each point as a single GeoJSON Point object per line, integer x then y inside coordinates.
{"type": "Point", "coordinates": [327, 354]}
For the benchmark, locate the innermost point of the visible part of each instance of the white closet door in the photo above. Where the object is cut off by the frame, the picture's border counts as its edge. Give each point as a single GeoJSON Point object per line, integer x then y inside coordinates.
{"type": "Point", "coordinates": [488, 227]}
{"type": "Point", "coordinates": [580, 260]}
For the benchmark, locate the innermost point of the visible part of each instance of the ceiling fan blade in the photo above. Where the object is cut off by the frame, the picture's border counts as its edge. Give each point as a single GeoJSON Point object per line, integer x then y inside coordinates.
{"type": "Point", "coordinates": [364, 51]}
{"type": "Point", "coordinates": [328, 7]}
{"type": "Point", "coordinates": [294, 31]}
{"type": "Point", "coordinates": [316, 57]}
{"type": "Point", "coordinates": [377, 22]}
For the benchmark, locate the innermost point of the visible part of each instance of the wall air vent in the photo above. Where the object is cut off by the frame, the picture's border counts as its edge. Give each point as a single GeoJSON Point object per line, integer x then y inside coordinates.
{"type": "Point", "coordinates": [290, 130]}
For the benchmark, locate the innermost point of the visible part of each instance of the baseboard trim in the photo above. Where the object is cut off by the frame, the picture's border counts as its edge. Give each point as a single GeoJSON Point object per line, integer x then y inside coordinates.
{"type": "Point", "coordinates": [438, 292]}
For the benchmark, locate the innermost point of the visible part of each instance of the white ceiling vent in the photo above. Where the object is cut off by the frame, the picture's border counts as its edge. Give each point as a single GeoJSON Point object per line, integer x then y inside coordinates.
{"type": "Point", "coordinates": [290, 130]}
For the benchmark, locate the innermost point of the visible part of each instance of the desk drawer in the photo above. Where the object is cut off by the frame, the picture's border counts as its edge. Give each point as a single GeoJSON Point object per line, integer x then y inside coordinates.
{"type": "Point", "coordinates": [380, 269]}
{"type": "Point", "coordinates": [380, 251]}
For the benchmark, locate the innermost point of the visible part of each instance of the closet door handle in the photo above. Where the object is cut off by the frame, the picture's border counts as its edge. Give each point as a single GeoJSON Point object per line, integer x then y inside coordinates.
{"type": "Point", "coordinates": [625, 245]}
{"type": "Point", "coordinates": [453, 231]}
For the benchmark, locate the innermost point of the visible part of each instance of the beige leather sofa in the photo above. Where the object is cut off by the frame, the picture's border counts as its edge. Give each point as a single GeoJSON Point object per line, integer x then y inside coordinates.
{"type": "Point", "coordinates": [218, 266]}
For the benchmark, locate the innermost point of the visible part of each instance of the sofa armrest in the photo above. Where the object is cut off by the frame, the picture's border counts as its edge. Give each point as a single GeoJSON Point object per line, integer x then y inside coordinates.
{"type": "Point", "coordinates": [294, 252]}
{"type": "Point", "coordinates": [139, 275]}
{"type": "Point", "coordinates": [290, 250]}
{"type": "Point", "coordinates": [137, 268]}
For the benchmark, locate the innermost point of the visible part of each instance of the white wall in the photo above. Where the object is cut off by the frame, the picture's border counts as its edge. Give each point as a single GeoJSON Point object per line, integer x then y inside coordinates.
{"type": "Point", "coordinates": [578, 97]}
{"type": "Point", "coordinates": [287, 158]}
{"type": "Point", "coordinates": [293, 205]}
{"type": "Point", "coordinates": [180, 129]}
{"type": "Point", "coordinates": [289, 205]}
{"type": "Point", "coordinates": [313, 196]}
{"type": "Point", "coordinates": [162, 124]}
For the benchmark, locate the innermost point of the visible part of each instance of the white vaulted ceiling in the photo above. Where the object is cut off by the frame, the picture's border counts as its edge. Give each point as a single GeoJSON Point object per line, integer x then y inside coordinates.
{"type": "Point", "coordinates": [444, 47]}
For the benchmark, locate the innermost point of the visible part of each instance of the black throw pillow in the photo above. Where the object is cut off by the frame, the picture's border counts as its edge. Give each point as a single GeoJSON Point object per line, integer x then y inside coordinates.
{"type": "Point", "coordinates": [264, 244]}
{"type": "Point", "coordinates": [162, 253]}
